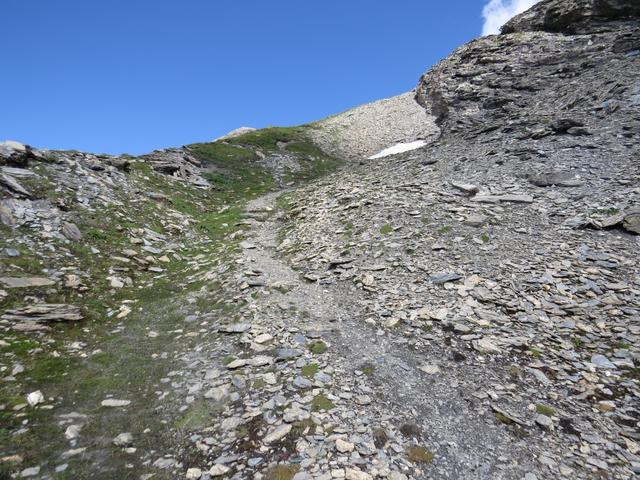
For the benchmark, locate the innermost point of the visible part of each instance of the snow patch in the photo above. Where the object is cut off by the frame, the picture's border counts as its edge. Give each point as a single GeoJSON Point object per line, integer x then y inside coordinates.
{"type": "Point", "coordinates": [399, 148]}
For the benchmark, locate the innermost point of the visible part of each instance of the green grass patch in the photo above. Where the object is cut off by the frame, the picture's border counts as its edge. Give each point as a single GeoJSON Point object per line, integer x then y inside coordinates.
{"type": "Point", "coordinates": [281, 472]}
{"type": "Point", "coordinates": [348, 228]}
{"type": "Point", "coordinates": [417, 454]}
{"type": "Point", "coordinates": [368, 370]}
{"type": "Point", "coordinates": [318, 347]}
{"type": "Point", "coordinates": [19, 346]}
{"type": "Point", "coordinates": [303, 427]}
{"type": "Point", "coordinates": [234, 162]}
{"type": "Point", "coordinates": [234, 171]}
{"type": "Point", "coordinates": [312, 168]}
{"type": "Point", "coordinates": [199, 415]}
{"type": "Point", "coordinates": [514, 371]}
{"type": "Point", "coordinates": [386, 229]}
{"type": "Point", "coordinates": [49, 368]}
{"type": "Point", "coordinates": [545, 410]}
{"type": "Point", "coordinates": [633, 373]}
{"type": "Point", "coordinates": [272, 138]}
{"type": "Point", "coordinates": [38, 187]}
{"type": "Point", "coordinates": [320, 402]}
{"type": "Point", "coordinates": [285, 202]}
{"type": "Point", "coordinates": [577, 343]}
{"type": "Point", "coordinates": [503, 419]}
{"type": "Point", "coordinates": [607, 212]}
{"type": "Point", "coordinates": [228, 359]}
{"type": "Point", "coordinates": [308, 371]}
{"type": "Point", "coordinates": [281, 288]}
{"type": "Point", "coordinates": [534, 352]}
{"type": "Point", "coordinates": [24, 263]}
{"type": "Point", "coordinates": [231, 153]}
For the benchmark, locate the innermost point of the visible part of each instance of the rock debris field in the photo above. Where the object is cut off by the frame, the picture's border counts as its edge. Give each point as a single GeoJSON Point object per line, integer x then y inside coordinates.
{"type": "Point", "coordinates": [275, 305]}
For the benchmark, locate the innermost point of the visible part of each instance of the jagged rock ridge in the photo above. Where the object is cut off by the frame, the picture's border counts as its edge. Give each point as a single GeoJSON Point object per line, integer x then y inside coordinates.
{"type": "Point", "coordinates": [575, 16]}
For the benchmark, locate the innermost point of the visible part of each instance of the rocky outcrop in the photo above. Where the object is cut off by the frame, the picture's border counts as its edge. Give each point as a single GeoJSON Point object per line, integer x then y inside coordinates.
{"type": "Point", "coordinates": [16, 154]}
{"type": "Point", "coordinates": [36, 317]}
{"type": "Point", "coordinates": [178, 163]}
{"type": "Point", "coordinates": [534, 83]}
{"type": "Point", "coordinates": [574, 16]}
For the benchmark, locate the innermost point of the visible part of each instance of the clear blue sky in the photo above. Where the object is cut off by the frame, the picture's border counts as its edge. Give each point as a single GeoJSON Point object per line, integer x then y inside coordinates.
{"type": "Point", "coordinates": [135, 75]}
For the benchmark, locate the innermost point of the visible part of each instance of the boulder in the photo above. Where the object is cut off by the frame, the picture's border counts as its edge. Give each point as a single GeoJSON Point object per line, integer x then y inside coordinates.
{"type": "Point", "coordinates": [631, 221]}
{"type": "Point", "coordinates": [71, 232]}
{"type": "Point", "coordinates": [560, 179]}
{"type": "Point", "coordinates": [562, 125]}
{"type": "Point", "coordinates": [16, 154]}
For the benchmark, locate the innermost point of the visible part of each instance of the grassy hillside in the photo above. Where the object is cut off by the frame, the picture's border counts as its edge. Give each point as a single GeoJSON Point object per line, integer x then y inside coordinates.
{"type": "Point", "coordinates": [242, 157]}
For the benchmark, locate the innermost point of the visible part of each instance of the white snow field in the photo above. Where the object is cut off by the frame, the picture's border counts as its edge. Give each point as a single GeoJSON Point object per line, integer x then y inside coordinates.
{"type": "Point", "coordinates": [399, 148]}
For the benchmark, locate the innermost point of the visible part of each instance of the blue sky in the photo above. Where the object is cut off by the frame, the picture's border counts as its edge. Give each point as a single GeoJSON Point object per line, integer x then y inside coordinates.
{"type": "Point", "coordinates": [132, 76]}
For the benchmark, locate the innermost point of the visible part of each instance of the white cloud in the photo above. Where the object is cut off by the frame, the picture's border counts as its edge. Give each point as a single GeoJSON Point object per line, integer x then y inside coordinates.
{"type": "Point", "coordinates": [498, 12]}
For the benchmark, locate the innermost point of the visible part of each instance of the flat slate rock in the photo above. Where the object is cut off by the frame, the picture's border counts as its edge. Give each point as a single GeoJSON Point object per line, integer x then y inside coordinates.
{"type": "Point", "coordinates": [26, 282]}
{"type": "Point", "coordinates": [45, 312]}
{"type": "Point", "coordinates": [507, 198]}
{"type": "Point", "coordinates": [235, 328]}
{"type": "Point", "coordinates": [113, 402]}
{"type": "Point", "coordinates": [560, 179]}
{"type": "Point", "coordinates": [445, 277]}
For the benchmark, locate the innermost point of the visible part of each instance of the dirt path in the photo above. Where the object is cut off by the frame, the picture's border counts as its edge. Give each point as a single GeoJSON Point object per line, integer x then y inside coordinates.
{"type": "Point", "coordinates": [382, 374]}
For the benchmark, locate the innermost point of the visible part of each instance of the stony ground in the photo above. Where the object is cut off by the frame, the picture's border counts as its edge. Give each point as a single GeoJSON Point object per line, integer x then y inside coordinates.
{"type": "Point", "coordinates": [532, 336]}
{"type": "Point", "coordinates": [366, 130]}
{"type": "Point", "coordinates": [470, 309]}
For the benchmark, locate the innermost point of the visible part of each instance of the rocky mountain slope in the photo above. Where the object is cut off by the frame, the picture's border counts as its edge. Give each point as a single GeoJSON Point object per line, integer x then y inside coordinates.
{"type": "Point", "coordinates": [366, 130]}
{"type": "Point", "coordinates": [273, 305]}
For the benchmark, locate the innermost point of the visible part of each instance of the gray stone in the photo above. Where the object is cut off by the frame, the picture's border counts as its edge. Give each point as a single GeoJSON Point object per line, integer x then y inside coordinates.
{"type": "Point", "coordinates": [544, 422]}
{"type": "Point", "coordinates": [25, 282]}
{"type": "Point", "coordinates": [445, 277]}
{"type": "Point", "coordinates": [123, 440]}
{"type": "Point", "coordinates": [112, 402]}
{"type": "Point", "coordinates": [30, 472]}
{"type": "Point", "coordinates": [277, 434]}
{"type": "Point", "coordinates": [467, 188]}
{"type": "Point", "coordinates": [72, 232]}
{"type": "Point", "coordinates": [287, 353]}
{"type": "Point", "coordinates": [235, 328]}
{"type": "Point", "coordinates": [602, 361]}
{"type": "Point", "coordinates": [301, 382]}
{"type": "Point", "coordinates": [475, 220]}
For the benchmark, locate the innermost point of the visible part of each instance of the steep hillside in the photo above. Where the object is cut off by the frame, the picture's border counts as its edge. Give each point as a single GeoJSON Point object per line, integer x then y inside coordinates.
{"type": "Point", "coordinates": [497, 268]}
{"type": "Point", "coordinates": [101, 260]}
{"type": "Point", "coordinates": [366, 130]}
{"type": "Point", "coordinates": [263, 306]}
